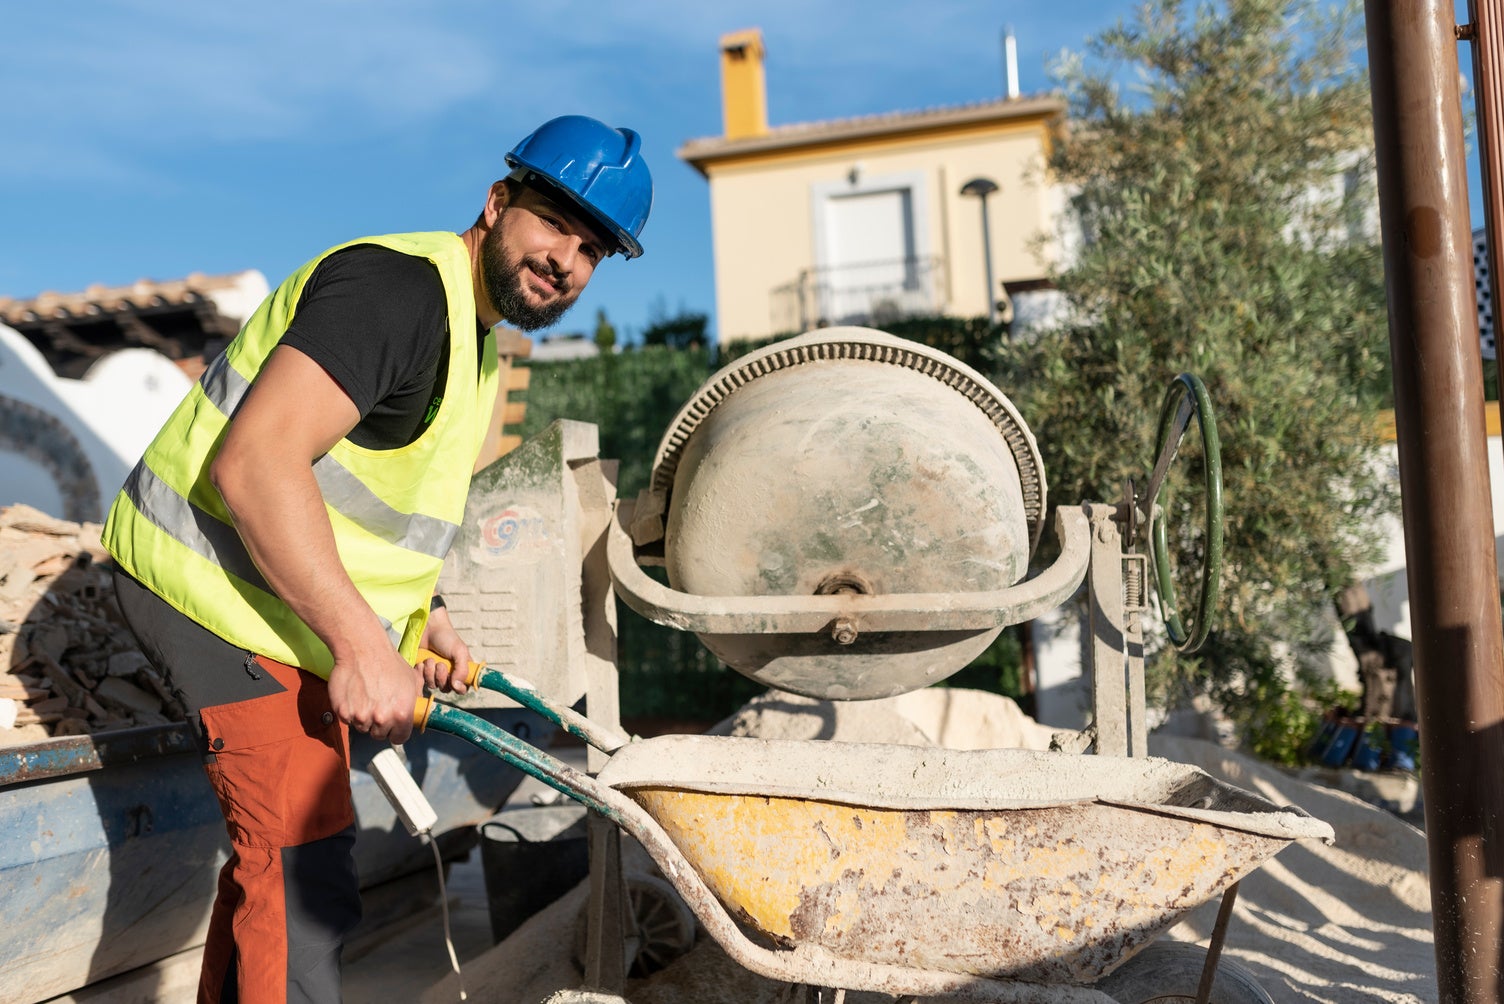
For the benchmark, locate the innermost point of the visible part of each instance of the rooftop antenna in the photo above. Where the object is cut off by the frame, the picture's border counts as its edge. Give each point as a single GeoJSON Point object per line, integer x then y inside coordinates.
{"type": "Point", "coordinates": [1010, 61]}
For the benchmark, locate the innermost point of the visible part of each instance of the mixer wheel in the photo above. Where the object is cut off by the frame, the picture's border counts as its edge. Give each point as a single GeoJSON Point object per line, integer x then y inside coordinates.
{"type": "Point", "coordinates": [1170, 973]}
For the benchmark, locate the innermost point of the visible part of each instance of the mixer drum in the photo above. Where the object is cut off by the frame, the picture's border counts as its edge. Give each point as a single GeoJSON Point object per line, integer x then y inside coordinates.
{"type": "Point", "coordinates": [848, 460]}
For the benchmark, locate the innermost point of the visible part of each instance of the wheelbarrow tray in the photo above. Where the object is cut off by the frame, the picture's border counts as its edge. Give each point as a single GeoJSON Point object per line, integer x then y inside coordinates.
{"type": "Point", "coordinates": [1007, 864]}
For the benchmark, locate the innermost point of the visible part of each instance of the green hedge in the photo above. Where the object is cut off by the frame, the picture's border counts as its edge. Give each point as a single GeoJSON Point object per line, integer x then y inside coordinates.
{"type": "Point", "coordinates": [631, 397]}
{"type": "Point", "coordinates": [972, 340]}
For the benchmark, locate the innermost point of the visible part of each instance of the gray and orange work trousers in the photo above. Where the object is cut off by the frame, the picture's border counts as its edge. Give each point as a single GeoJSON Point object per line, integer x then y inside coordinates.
{"type": "Point", "coordinates": [279, 761]}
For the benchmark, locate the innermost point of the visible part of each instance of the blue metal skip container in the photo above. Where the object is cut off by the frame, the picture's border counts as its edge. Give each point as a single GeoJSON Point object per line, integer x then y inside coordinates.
{"type": "Point", "coordinates": [111, 845]}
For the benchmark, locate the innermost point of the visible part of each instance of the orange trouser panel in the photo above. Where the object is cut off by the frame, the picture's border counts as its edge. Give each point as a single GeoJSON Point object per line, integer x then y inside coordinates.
{"type": "Point", "coordinates": [288, 895]}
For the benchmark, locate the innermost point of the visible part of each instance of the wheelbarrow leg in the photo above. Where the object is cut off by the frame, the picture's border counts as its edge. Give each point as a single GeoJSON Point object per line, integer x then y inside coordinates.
{"type": "Point", "coordinates": [1214, 949]}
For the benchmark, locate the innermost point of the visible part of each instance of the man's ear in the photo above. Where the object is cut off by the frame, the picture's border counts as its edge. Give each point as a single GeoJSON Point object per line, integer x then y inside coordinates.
{"type": "Point", "coordinates": [496, 200]}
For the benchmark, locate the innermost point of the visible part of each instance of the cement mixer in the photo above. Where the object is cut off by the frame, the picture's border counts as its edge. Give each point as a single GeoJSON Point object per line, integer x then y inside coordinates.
{"type": "Point", "coordinates": [841, 468]}
{"type": "Point", "coordinates": [848, 515]}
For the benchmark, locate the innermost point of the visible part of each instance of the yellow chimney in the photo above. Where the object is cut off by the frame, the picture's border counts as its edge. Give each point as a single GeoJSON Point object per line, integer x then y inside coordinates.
{"type": "Point", "coordinates": [744, 93]}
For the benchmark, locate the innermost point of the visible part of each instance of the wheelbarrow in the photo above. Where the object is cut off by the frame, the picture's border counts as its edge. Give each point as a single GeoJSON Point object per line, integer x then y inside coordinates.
{"type": "Point", "coordinates": [994, 875]}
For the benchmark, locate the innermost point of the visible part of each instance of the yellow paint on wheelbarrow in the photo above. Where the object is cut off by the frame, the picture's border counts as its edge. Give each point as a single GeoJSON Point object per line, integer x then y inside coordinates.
{"type": "Point", "coordinates": [1059, 893]}
{"type": "Point", "coordinates": [766, 895]}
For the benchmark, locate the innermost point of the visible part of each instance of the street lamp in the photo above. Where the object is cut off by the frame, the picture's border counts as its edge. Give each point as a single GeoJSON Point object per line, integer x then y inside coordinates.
{"type": "Point", "coordinates": [981, 188]}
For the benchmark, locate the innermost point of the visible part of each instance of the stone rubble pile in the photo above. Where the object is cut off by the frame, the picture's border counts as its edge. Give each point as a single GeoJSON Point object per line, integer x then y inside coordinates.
{"type": "Point", "coordinates": [70, 665]}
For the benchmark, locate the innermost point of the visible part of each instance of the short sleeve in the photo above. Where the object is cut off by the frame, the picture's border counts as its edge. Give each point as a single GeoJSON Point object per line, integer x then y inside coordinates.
{"type": "Point", "coordinates": [374, 319]}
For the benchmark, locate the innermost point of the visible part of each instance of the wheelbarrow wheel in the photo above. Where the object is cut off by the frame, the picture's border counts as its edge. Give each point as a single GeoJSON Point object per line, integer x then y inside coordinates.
{"type": "Point", "coordinates": [1170, 973]}
{"type": "Point", "coordinates": [665, 926]}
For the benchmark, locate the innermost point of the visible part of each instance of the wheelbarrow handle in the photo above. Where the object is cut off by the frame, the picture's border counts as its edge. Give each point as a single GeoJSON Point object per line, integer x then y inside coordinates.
{"type": "Point", "coordinates": [469, 678]}
{"type": "Point", "coordinates": [603, 738]}
{"type": "Point", "coordinates": [527, 758]}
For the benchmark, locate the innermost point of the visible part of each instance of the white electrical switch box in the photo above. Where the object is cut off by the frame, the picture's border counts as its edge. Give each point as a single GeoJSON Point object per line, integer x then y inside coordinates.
{"type": "Point", "coordinates": [392, 777]}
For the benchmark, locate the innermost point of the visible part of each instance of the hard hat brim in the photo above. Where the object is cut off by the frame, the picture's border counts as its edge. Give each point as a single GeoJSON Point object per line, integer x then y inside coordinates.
{"type": "Point", "coordinates": [626, 245]}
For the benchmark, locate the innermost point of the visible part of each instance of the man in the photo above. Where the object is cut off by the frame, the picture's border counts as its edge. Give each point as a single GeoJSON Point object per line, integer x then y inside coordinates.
{"type": "Point", "coordinates": [279, 543]}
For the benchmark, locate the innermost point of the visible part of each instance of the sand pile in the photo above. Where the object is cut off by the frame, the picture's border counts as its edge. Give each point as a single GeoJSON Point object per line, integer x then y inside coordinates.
{"type": "Point", "coordinates": [1336, 925]}
{"type": "Point", "coordinates": [1346, 923]}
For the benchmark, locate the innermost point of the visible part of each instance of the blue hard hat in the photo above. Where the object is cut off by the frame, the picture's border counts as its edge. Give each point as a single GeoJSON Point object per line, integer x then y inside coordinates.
{"type": "Point", "coordinates": [600, 169]}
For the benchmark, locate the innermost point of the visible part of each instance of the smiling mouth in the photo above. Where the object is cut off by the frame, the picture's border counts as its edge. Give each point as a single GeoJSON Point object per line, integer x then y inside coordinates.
{"type": "Point", "coordinates": [549, 279]}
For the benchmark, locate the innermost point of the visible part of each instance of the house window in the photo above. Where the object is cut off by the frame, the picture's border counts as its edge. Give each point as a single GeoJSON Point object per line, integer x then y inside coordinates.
{"type": "Point", "coordinates": [870, 258]}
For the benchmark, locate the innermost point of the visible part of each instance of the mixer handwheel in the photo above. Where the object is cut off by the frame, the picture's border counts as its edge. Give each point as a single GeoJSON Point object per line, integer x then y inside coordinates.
{"type": "Point", "coordinates": [1187, 396]}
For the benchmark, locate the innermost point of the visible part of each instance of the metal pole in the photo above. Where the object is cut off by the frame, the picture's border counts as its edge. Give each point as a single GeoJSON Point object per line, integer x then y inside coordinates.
{"type": "Point", "coordinates": [981, 188]}
{"type": "Point", "coordinates": [987, 262]}
{"type": "Point", "coordinates": [1486, 33]}
{"type": "Point", "coordinates": [1443, 455]}
{"type": "Point", "coordinates": [1109, 689]}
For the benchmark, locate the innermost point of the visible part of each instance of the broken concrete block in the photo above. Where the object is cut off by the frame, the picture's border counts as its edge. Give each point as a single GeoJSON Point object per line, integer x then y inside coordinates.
{"type": "Point", "coordinates": [128, 697]}
{"type": "Point", "coordinates": [126, 663]}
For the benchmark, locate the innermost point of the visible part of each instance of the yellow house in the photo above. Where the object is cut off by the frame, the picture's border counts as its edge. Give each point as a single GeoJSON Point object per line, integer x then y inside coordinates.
{"type": "Point", "coordinates": [863, 220]}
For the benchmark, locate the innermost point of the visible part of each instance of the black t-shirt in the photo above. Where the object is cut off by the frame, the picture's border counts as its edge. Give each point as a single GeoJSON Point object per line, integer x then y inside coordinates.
{"type": "Point", "coordinates": [376, 320]}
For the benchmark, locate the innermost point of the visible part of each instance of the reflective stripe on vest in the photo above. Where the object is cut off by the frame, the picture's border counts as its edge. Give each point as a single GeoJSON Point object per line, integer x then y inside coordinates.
{"type": "Point", "coordinates": [200, 532]}
{"type": "Point", "coordinates": [343, 491]}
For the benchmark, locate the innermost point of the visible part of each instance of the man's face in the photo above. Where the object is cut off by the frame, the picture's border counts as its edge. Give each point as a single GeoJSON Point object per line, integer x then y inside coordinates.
{"type": "Point", "coordinates": [537, 259]}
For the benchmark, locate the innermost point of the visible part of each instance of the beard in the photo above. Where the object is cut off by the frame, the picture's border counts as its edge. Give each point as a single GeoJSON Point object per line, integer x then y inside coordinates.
{"type": "Point", "coordinates": [502, 276]}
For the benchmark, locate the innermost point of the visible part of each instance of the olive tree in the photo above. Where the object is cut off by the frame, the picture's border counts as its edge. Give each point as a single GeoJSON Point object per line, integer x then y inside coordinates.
{"type": "Point", "coordinates": [1218, 160]}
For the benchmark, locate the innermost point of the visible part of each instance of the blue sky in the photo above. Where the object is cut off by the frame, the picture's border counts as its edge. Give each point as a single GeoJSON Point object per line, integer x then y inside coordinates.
{"type": "Point", "coordinates": [155, 138]}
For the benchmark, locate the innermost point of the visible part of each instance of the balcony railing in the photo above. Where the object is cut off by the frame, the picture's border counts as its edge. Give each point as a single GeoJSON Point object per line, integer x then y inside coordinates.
{"type": "Point", "coordinates": [868, 293]}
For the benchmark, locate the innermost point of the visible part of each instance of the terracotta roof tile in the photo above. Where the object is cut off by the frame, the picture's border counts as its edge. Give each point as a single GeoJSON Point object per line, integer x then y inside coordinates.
{"type": "Point", "coordinates": [98, 299]}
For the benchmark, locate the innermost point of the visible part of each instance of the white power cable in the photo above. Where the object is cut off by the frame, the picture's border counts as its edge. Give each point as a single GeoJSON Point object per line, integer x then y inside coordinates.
{"type": "Point", "coordinates": [444, 907]}
{"type": "Point", "coordinates": [389, 770]}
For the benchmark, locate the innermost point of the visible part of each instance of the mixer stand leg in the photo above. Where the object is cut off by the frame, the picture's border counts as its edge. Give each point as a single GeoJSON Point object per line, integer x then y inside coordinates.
{"type": "Point", "coordinates": [608, 918]}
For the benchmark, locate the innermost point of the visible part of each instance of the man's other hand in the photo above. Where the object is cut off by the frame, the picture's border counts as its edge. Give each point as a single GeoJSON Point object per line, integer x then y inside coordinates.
{"type": "Point", "coordinates": [376, 695]}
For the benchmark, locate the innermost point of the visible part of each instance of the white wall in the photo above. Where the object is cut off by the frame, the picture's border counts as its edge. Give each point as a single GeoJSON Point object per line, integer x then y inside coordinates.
{"type": "Point", "coordinates": [1387, 587]}
{"type": "Point", "coordinates": [108, 417]}
{"type": "Point", "coordinates": [27, 482]}
{"type": "Point", "coordinates": [96, 427]}
{"type": "Point", "coordinates": [1064, 694]}
{"type": "Point", "coordinates": [239, 299]}
{"type": "Point", "coordinates": [1062, 691]}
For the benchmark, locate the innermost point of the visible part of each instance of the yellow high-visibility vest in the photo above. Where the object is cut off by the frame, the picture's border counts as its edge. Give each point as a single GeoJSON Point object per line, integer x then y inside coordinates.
{"type": "Point", "coordinates": [394, 512]}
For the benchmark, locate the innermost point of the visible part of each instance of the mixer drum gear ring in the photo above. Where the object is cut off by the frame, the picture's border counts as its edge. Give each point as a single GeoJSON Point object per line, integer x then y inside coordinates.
{"type": "Point", "coordinates": [875, 346]}
{"type": "Point", "coordinates": [848, 461]}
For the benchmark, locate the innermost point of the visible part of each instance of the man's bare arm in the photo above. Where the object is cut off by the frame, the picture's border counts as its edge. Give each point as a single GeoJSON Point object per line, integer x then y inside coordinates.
{"type": "Point", "coordinates": [294, 413]}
